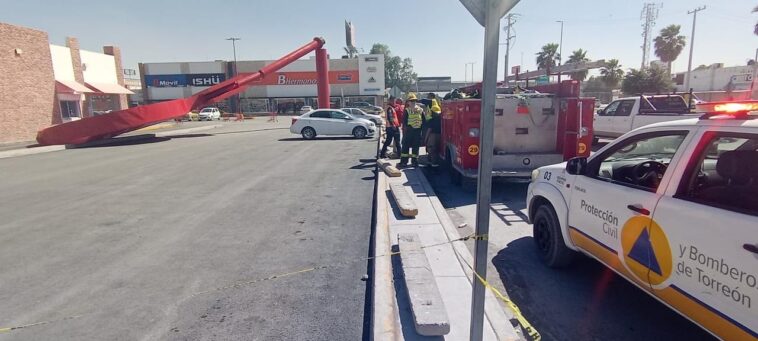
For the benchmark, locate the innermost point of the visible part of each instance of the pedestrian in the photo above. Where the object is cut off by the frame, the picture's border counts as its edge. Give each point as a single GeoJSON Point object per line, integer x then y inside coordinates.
{"type": "Point", "coordinates": [413, 117]}
{"type": "Point", "coordinates": [392, 130]}
{"type": "Point", "coordinates": [433, 128]}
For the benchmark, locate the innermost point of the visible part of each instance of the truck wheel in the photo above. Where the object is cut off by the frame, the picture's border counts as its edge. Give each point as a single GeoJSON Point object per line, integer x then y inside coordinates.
{"type": "Point", "coordinates": [548, 239]}
{"type": "Point", "coordinates": [455, 177]}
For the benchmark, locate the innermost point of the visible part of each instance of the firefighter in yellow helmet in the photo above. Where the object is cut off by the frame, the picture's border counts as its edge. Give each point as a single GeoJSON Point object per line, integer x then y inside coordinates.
{"type": "Point", "coordinates": [413, 118]}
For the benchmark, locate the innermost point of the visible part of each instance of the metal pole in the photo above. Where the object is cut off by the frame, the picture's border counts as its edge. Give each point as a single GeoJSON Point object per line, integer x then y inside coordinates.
{"type": "Point", "coordinates": [465, 74]}
{"type": "Point", "coordinates": [507, 49]}
{"type": "Point", "coordinates": [484, 187]}
{"type": "Point", "coordinates": [234, 51]}
{"type": "Point", "coordinates": [560, 51]}
{"type": "Point", "coordinates": [692, 45]}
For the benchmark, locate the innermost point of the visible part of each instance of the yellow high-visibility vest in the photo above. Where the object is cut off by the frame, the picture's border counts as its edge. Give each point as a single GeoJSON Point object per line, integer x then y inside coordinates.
{"type": "Point", "coordinates": [414, 117]}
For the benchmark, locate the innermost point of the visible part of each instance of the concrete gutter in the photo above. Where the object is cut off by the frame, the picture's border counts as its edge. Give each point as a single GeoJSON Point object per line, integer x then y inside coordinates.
{"type": "Point", "coordinates": [30, 151]}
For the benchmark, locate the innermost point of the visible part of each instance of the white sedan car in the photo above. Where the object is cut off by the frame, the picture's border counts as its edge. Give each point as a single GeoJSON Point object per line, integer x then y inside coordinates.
{"type": "Point", "coordinates": [209, 114]}
{"type": "Point", "coordinates": [362, 114]}
{"type": "Point", "coordinates": [331, 122]}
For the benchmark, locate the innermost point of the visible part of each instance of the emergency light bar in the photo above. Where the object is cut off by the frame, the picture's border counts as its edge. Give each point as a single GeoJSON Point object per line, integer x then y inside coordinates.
{"type": "Point", "coordinates": [741, 109]}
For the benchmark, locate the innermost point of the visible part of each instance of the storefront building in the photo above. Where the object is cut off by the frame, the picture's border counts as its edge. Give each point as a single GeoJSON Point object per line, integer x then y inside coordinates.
{"type": "Point", "coordinates": [351, 80]}
{"type": "Point", "coordinates": [44, 84]}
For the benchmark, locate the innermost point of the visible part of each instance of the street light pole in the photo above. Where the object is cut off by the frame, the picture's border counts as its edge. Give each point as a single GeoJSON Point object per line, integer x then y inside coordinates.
{"type": "Point", "coordinates": [560, 52]}
{"type": "Point", "coordinates": [234, 51]}
{"type": "Point", "coordinates": [692, 44]}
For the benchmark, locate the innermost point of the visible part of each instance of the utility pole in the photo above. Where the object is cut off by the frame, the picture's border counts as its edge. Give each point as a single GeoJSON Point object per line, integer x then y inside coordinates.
{"type": "Point", "coordinates": [692, 45]}
{"type": "Point", "coordinates": [234, 50]}
{"type": "Point", "coordinates": [560, 52]}
{"type": "Point", "coordinates": [511, 17]}
{"type": "Point", "coordinates": [472, 71]}
{"type": "Point", "coordinates": [649, 15]}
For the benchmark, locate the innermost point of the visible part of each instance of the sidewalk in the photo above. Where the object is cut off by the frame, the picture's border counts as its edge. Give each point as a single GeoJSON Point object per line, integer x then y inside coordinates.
{"type": "Point", "coordinates": [449, 261]}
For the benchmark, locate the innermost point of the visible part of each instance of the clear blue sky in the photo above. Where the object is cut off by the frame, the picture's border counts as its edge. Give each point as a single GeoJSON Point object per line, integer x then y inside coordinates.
{"type": "Point", "coordinates": [440, 36]}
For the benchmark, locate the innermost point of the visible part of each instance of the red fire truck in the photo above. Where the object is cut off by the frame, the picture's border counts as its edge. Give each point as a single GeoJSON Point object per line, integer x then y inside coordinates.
{"type": "Point", "coordinates": [532, 130]}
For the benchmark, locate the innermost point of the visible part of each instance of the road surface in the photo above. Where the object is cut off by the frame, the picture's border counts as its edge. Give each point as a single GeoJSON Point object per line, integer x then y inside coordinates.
{"type": "Point", "coordinates": [583, 302]}
{"type": "Point", "coordinates": [171, 238]}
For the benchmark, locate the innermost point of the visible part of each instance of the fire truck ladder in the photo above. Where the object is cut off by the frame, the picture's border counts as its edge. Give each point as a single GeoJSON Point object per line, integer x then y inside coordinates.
{"type": "Point", "coordinates": [122, 121]}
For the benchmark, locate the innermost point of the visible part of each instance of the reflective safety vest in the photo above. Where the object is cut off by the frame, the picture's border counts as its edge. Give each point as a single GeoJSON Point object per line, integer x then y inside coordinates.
{"type": "Point", "coordinates": [414, 117]}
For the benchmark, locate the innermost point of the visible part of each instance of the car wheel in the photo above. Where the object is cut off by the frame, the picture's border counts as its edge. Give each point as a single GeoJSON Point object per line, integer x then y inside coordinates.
{"type": "Point", "coordinates": [548, 239]}
{"type": "Point", "coordinates": [308, 133]}
{"type": "Point", "coordinates": [359, 132]}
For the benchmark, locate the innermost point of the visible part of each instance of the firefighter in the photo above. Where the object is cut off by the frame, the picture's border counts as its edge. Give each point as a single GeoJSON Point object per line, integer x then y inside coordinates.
{"type": "Point", "coordinates": [413, 117]}
{"type": "Point", "coordinates": [392, 130]}
{"type": "Point", "coordinates": [433, 130]}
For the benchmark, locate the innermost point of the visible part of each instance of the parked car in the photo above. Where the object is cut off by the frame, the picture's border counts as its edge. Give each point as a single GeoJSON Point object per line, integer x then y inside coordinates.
{"type": "Point", "coordinates": [672, 207]}
{"type": "Point", "coordinates": [331, 122]}
{"type": "Point", "coordinates": [362, 114]}
{"type": "Point", "coordinates": [626, 114]}
{"type": "Point", "coordinates": [306, 108]}
{"type": "Point", "coordinates": [367, 107]}
{"type": "Point", "coordinates": [209, 114]}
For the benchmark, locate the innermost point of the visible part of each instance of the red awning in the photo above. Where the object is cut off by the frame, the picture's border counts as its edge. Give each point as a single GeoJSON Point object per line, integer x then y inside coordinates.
{"type": "Point", "coordinates": [71, 87]}
{"type": "Point", "coordinates": [109, 88]}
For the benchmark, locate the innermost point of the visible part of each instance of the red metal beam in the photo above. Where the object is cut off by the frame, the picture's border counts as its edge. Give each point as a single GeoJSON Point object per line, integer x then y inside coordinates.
{"type": "Point", "coordinates": [122, 121]}
{"type": "Point", "coordinates": [322, 69]}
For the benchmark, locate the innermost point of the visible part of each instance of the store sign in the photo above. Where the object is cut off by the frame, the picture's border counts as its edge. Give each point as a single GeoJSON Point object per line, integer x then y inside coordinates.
{"type": "Point", "coordinates": [371, 59]}
{"type": "Point", "coordinates": [282, 79]}
{"type": "Point", "coordinates": [344, 77]}
{"type": "Point", "coordinates": [205, 79]}
{"type": "Point", "coordinates": [177, 81]}
{"type": "Point", "coordinates": [165, 81]}
{"type": "Point", "coordinates": [372, 80]}
{"type": "Point", "coordinates": [372, 89]}
{"type": "Point", "coordinates": [371, 69]}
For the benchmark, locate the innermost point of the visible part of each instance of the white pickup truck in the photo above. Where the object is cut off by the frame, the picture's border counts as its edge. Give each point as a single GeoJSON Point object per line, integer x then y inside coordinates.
{"type": "Point", "coordinates": [626, 114]}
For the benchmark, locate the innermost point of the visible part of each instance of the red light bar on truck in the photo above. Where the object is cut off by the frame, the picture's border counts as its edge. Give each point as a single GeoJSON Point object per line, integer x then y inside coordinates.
{"type": "Point", "coordinates": [740, 109]}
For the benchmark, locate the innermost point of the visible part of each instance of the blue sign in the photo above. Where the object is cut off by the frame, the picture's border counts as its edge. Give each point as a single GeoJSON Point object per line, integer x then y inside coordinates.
{"type": "Point", "coordinates": [165, 81]}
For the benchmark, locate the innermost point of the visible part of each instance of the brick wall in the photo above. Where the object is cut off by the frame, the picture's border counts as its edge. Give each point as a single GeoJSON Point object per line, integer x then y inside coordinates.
{"type": "Point", "coordinates": [27, 84]}
{"type": "Point", "coordinates": [121, 100]}
{"type": "Point", "coordinates": [76, 63]}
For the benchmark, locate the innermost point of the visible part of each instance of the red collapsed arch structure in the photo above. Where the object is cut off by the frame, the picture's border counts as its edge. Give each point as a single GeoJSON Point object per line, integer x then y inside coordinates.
{"type": "Point", "coordinates": [122, 121]}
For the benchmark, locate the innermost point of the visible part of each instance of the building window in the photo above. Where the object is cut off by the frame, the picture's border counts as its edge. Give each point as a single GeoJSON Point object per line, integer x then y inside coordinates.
{"type": "Point", "coordinates": [69, 109]}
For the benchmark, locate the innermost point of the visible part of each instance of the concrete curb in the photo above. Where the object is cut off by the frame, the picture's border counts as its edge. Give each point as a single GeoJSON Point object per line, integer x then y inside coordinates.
{"type": "Point", "coordinates": [429, 314]}
{"type": "Point", "coordinates": [187, 131]}
{"type": "Point", "coordinates": [384, 315]}
{"type": "Point", "coordinates": [112, 140]}
{"type": "Point", "coordinates": [495, 313]}
{"type": "Point", "coordinates": [30, 151]}
{"type": "Point", "coordinates": [403, 200]}
{"type": "Point", "coordinates": [158, 126]}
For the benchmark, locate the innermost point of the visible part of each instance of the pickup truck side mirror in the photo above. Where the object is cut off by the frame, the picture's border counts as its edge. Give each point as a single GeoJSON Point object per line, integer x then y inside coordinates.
{"type": "Point", "coordinates": [576, 166]}
{"type": "Point", "coordinates": [600, 112]}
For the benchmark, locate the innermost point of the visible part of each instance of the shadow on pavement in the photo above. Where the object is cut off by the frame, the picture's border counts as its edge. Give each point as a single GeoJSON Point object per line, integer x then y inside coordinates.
{"type": "Point", "coordinates": [185, 136]}
{"type": "Point", "coordinates": [582, 301]}
{"type": "Point", "coordinates": [331, 138]}
{"type": "Point", "coordinates": [248, 131]}
{"type": "Point", "coordinates": [121, 141]}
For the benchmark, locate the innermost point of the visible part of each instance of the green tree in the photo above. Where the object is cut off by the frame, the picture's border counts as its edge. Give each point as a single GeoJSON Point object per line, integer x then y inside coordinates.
{"type": "Point", "coordinates": [397, 71]}
{"type": "Point", "coordinates": [577, 57]}
{"type": "Point", "coordinates": [669, 44]}
{"type": "Point", "coordinates": [548, 57]}
{"type": "Point", "coordinates": [611, 74]}
{"type": "Point", "coordinates": [651, 80]}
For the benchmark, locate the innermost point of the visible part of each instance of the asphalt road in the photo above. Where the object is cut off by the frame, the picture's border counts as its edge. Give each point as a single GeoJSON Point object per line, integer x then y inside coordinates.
{"type": "Point", "coordinates": [171, 238]}
{"type": "Point", "coordinates": [583, 302]}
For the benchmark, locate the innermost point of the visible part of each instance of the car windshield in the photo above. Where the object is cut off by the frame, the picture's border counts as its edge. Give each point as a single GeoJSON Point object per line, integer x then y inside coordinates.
{"type": "Point", "coordinates": [207, 110]}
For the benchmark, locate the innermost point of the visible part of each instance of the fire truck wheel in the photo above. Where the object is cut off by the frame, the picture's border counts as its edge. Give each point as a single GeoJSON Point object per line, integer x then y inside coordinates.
{"type": "Point", "coordinates": [548, 239]}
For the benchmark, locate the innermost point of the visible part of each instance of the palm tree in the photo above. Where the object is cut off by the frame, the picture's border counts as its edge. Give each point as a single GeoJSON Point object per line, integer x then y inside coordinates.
{"type": "Point", "coordinates": [578, 56]}
{"type": "Point", "coordinates": [669, 44]}
{"type": "Point", "coordinates": [611, 74]}
{"type": "Point", "coordinates": [548, 57]}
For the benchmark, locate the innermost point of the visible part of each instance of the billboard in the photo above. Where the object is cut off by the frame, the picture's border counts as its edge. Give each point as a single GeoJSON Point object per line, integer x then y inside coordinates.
{"type": "Point", "coordinates": [349, 34]}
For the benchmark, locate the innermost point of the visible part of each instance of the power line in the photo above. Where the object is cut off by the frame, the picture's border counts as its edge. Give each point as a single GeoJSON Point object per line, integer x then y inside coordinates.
{"type": "Point", "coordinates": [649, 15]}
